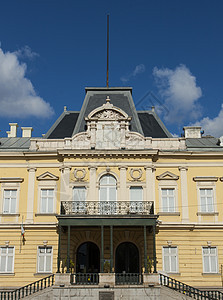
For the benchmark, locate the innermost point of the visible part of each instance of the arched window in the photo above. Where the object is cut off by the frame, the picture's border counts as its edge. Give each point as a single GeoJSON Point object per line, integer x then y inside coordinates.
{"type": "Point", "coordinates": [107, 195]}
{"type": "Point", "coordinates": [108, 188]}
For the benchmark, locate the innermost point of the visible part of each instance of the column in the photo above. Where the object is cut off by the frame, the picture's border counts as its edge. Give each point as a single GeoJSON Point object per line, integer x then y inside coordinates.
{"type": "Point", "coordinates": [68, 249]}
{"type": "Point", "coordinates": [59, 243]}
{"type": "Point", "coordinates": [150, 184]}
{"type": "Point", "coordinates": [111, 248]}
{"type": "Point", "coordinates": [64, 184]}
{"type": "Point", "coordinates": [30, 196]}
{"type": "Point", "coordinates": [92, 192]}
{"type": "Point", "coordinates": [102, 249]}
{"type": "Point", "coordinates": [184, 194]}
{"type": "Point", "coordinates": [145, 251]}
{"type": "Point", "coordinates": [154, 248]}
{"type": "Point", "coordinates": [123, 195]}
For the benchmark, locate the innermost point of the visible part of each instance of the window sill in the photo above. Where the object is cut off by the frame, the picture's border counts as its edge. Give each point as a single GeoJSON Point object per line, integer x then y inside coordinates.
{"type": "Point", "coordinates": [43, 273]}
{"type": "Point", "coordinates": [207, 213]}
{"type": "Point", "coordinates": [216, 274]}
{"type": "Point", "coordinates": [7, 274]}
{"type": "Point", "coordinates": [162, 213]}
{"type": "Point", "coordinates": [9, 215]}
{"type": "Point", "coordinates": [45, 214]}
{"type": "Point", "coordinates": [174, 273]}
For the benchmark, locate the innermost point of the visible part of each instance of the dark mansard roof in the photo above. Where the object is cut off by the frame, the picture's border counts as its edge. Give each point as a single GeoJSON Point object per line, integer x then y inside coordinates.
{"type": "Point", "coordinates": [146, 123]}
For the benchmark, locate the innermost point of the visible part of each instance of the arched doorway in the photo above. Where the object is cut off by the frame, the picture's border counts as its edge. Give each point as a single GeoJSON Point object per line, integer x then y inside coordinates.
{"type": "Point", "coordinates": [88, 258]}
{"type": "Point", "coordinates": [127, 258]}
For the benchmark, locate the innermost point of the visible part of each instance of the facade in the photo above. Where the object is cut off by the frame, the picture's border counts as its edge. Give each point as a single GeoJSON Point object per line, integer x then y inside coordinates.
{"type": "Point", "coordinates": [108, 189]}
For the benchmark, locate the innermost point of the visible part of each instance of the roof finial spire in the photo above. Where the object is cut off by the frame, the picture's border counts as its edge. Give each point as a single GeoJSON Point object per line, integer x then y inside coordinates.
{"type": "Point", "coordinates": [107, 48]}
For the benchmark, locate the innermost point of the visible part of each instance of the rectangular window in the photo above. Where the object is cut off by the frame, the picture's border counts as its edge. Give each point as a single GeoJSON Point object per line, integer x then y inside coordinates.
{"type": "Point", "coordinates": [6, 259]}
{"type": "Point", "coordinates": [136, 199]}
{"type": "Point", "coordinates": [210, 260]}
{"type": "Point", "coordinates": [45, 259]}
{"type": "Point", "coordinates": [207, 200]}
{"type": "Point", "coordinates": [79, 196]}
{"type": "Point", "coordinates": [170, 259]}
{"type": "Point", "coordinates": [168, 200]}
{"type": "Point", "coordinates": [47, 199]}
{"type": "Point", "coordinates": [9, 201]}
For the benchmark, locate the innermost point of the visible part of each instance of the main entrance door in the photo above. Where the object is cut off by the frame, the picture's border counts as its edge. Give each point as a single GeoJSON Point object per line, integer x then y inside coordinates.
{"type": "Point", "coordinates": [127, 258]}
{"type": "Point", "coordinates": [88, 258]}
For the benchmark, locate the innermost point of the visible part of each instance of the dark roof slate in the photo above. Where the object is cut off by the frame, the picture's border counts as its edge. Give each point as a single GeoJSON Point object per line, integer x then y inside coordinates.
{"type": "Point", "coordinates": [65, 127]}
{"type": "Point", "coordinates": [121, 98]}
{"type": "Point", "coordinates": [146, 123]}
{"type": "Point", "coordinates": [152, 125]}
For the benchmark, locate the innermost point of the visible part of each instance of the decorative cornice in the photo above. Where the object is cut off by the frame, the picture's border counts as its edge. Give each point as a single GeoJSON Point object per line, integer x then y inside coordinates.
{"type": "Point", "coordinates": [47, 176]}
{"type": "Point", "coordinates": [167, 176]}
{"type": "Point", "coordinates": [11, 179]}
{"type": "Point", "coordinates": [205, 178]}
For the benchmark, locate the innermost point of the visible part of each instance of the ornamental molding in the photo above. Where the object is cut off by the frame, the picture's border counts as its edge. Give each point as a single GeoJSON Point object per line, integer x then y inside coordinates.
{"type": "Point", "coordinates": [11, 179]}
{"type": "Point", "coordinates": [107, 112]}
{"type": "Point", "coordinates": [79, 174]}
{"type": "Point", "coordinates": [205, 178]}
{"type": "Point", "coordinates": [167, 176]}
{"type": "Point", "coordinates": [47, 176]}
{"type": "Point", "coordinates": [136, 173]}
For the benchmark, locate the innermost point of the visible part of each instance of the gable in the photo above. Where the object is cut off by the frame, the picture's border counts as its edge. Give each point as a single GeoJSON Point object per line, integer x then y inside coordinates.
{"type": "Point", "coordinates": [47, 176]}
{"type": "Point", "coordinates": [167, 176]}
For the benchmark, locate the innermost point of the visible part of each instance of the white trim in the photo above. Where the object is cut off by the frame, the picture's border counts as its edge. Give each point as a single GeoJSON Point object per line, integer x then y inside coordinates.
{"type": "Point", "coordinates": [47, 185]}
{"type": "Point", "coordinates": [209, 255]}
{"type": "Point", "coordinates": [168, 184]}
{"type": "Point", "coordinates": [177, 257]}
{"type": "Point", "coordinates": [206, 185]}
{"type": "Point", "coordinates": [13, 259]}
{"type": "Point", "coordinates": [51, 262]}
{"type": "Point", "coordinates": [10, 186]}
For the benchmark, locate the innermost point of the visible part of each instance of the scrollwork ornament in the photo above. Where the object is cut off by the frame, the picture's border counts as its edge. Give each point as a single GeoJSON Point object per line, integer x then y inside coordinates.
{"type": "Point", "coordinates": [79, 174]}
{"type": "Point", "coordinates": [136, 173]}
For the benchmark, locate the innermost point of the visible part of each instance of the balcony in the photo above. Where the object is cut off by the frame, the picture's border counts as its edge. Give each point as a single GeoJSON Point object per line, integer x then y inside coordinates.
{"type": "Point", "coordinates": [107, 208]}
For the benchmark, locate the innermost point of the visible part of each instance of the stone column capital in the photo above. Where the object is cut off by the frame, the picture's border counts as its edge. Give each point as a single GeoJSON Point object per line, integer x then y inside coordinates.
{"type": "Point", "coordinates": [123, 167]}
{"type": "Point", "coordinates": [182, 168]}
{"type": "Point", "coordinates": [150, 167]}
{"type": "Point", "coordinates": [31, 169]}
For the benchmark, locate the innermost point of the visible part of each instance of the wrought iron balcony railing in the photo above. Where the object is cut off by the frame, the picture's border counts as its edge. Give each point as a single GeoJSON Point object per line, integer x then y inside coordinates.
{"type": "Point", "coordinates": [106, 207]}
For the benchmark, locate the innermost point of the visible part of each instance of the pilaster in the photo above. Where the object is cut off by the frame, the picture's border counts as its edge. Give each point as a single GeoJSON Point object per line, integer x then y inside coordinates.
{"type": "Point", "coordinates": [184, 194]}
{"type": "Point", "coordinates": [30, 195]}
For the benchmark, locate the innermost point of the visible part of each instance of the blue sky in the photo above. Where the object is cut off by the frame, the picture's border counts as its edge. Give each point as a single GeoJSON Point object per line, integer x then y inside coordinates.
{"type": "Point", "coordinates": [169, 50]}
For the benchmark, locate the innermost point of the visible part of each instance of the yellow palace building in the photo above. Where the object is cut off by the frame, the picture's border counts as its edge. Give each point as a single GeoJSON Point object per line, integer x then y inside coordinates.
{"type": "Point", "coordinates": [109, 190]}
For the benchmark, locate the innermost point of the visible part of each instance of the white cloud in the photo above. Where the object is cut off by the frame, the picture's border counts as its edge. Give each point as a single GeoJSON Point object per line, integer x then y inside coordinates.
{"type": "Point", "coordinates": [212, 126]}
{"type": "Point", "coordinates": [17, 95]}
{"type": "Point", "coordinates": [26, 52]}
{"type": "Point", "coordinates": [138, 70]}
{"type": "Point", "coordinates": [180, 93]}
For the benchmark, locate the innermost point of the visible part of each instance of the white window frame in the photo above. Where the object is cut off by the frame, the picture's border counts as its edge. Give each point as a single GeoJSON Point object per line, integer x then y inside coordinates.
{"type": "Point", "coordinates": [47, 199]}
{"type": "Point", "coordinates": [107, 186]}
{"type": "Point", "coordinates": [169, 257]}
{"type": "Point", "coordinates": [134, 206]}
{"type": "Point", "coordinates": [209, 255]}
{"type": "Point", "coordinates": [168, 184]}
{"type": "Point", "coordinates": [7, 256]}
{"type": "Point", "coordinates": [80, 205]}
{"type": "Point", "coordinates": [47, 185]}
{"type": "Point", "coordinates": [45, 255]}
{"type": "Point", "coordinates": [12, 184]}
{"type": "Point", "coordinates": [206, 185]}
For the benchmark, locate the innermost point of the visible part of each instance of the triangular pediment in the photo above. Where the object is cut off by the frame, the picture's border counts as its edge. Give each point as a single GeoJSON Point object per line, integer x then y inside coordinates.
{"type": "Point", "coordinates": [167, 176]}
{"type": "Point", "coordinates": [47, 176]}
